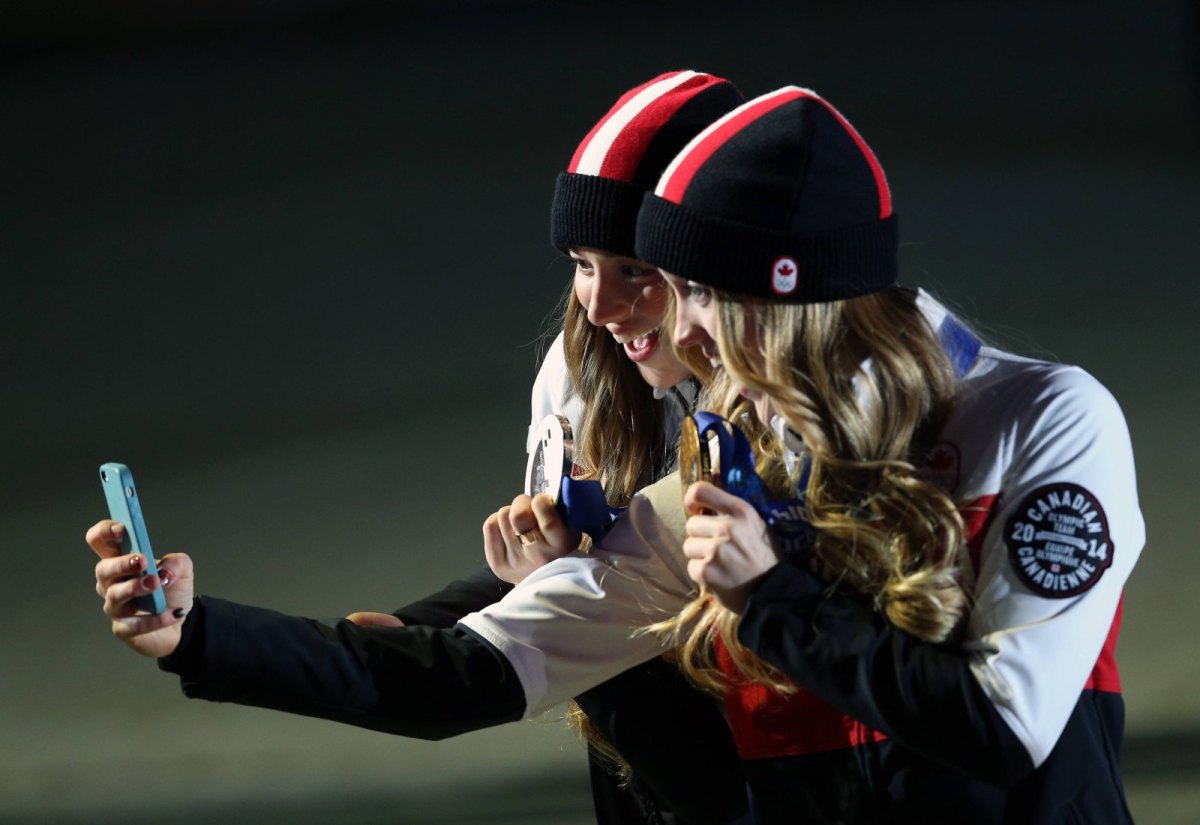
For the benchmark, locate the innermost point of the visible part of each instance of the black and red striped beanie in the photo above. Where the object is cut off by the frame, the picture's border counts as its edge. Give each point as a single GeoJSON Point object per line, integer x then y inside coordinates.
{"type": "Point", "coordinates": [781, 198]}
{"type": "Point", "coordinates": [596, 200]}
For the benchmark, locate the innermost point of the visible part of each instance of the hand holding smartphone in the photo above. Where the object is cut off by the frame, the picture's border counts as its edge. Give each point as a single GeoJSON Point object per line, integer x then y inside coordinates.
{"type": "Point", "coordinates": [125, 507]}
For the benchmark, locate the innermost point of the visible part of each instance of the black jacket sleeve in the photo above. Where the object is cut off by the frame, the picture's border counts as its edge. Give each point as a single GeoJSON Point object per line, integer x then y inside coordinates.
{"type": "Point", "coordinates": [920, 694]}
{"type": "Point", "coordinates": [445, 607]}
{"type": "Point", "coordinates": [428, 683]}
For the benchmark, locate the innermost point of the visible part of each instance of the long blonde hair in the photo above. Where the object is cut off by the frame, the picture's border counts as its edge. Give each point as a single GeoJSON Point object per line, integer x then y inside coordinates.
{"type": "Point", "coordinates": [865, 384]}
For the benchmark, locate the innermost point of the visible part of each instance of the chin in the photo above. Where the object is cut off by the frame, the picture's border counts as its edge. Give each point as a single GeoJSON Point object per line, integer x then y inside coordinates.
{"type": "Point", "coordinates": [661, 379]}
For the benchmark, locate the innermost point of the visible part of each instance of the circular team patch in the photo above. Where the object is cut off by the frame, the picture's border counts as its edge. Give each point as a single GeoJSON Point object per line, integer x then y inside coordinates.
{"type": "Point", "coordinates": [1058, 542]}
{"type": "Point", "coordinates": [783, 275]}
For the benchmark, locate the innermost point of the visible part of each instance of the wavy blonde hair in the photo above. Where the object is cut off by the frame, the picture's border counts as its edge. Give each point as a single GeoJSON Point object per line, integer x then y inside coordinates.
{"type": "Point", "coordinates": [866, 384]}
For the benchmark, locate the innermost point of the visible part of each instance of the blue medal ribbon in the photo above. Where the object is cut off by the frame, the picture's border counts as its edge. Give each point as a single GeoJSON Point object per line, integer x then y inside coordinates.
{"type": "Point", "coordinates": [583, 507]}
{"type": "Point", "coordinates": [737, 476]}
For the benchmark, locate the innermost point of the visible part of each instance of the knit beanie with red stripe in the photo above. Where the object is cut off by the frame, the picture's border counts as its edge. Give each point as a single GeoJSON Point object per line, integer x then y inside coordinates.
{"type": "Point", "coordinates": [781, 198]}
{"type": "Point", "coordinates": [596, 200]}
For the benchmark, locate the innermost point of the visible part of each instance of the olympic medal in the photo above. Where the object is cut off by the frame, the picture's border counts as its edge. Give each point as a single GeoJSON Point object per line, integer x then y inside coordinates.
{"type": "Point", "coordinates": [551, 459]}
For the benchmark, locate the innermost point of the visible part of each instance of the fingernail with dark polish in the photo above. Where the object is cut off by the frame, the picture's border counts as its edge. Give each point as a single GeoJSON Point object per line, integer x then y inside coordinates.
{"type": "Point", "coordinates": [179, 613]}
{"type": "Point", "coordinates": [149, 582]}
{"type": "Point", "coordinates": [134, 561]}
{"type": "Point", "coordinates": [166, 576]}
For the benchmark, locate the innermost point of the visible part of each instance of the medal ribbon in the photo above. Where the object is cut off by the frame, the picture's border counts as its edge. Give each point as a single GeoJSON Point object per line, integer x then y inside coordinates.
{"type": "Point", "coordinates": [582, 505]}
{"type": "Point", "coordinates": [737, 476]}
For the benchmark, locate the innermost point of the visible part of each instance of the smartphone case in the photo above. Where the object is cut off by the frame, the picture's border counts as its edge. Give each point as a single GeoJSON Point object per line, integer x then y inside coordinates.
{"type": "Point", "coordinates": [124, 506]}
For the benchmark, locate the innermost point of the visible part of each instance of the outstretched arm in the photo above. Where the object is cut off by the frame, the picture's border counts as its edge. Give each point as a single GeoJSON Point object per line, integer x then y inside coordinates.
{"type": "Point", "coordinates": [424, 682]}
{"type": "Point", "coordinates": [567, 628]}
{"type": "Point", "coordinates": [455, 600]}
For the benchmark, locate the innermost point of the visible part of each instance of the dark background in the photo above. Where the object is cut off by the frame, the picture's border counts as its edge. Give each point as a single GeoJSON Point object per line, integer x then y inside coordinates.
{"type": "Point", "coordinates": [290, 262]}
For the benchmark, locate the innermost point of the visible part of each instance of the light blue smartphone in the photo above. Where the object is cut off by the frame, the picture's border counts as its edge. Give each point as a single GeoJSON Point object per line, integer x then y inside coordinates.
{"type": "Point", "coordinates": [124, 506]}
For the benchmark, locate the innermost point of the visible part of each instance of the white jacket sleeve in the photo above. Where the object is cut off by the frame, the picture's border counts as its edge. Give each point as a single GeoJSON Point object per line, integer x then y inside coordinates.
{"type": "Point", "coordinates": [578, 620]}
{"type": "Point", "coordinates": [1055, 557]}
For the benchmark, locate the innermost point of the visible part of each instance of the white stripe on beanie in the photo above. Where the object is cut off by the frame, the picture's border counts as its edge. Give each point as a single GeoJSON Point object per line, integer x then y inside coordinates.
{"type": "Point", "coordinates": [591, 160]}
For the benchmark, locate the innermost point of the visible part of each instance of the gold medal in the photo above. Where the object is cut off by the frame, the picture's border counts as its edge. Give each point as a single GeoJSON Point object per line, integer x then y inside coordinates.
{"type": "Point", "coordinates": [695, 464]}
{"type": "Point", "coordinates": [699, 454]}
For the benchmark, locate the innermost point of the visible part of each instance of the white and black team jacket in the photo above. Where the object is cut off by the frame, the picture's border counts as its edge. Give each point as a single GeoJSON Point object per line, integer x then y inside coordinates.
{"type": "Point", "coordinates": [1021, 722]}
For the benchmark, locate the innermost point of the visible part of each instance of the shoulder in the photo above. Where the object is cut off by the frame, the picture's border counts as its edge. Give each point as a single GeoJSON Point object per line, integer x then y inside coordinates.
{"type": "Point", "coordinates": [553, 376]}
{"type": "Point", "coordinates": [1039, 397]}
{"type": "Point", "coordinates": [1049, 445]}
{"type": "Point", "coordinates": [553, 392]}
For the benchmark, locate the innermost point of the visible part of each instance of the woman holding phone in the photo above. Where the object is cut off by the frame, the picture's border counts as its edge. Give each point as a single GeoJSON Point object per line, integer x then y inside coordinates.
{"type": "Point", "coordinates": [624, 392]}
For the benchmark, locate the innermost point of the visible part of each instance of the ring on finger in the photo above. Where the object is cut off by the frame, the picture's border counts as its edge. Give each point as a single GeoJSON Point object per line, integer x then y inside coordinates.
{"type": "Point", "coordinates": [529, 537]}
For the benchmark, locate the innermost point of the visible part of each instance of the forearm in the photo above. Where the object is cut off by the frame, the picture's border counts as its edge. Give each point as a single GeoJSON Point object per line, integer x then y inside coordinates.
{"type": "Point", "coordinates": [920, 694]}
{"type": "Point", "coordinates": [445, 607]}
{"type": "Point", "coordinates": [422, 682]}
{"type": "Point", "coordinates": [578, 620]}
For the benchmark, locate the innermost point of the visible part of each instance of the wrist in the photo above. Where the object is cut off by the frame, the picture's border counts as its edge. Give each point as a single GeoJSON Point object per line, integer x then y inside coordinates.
{"type": "Point", "coordinates": [735, 598]}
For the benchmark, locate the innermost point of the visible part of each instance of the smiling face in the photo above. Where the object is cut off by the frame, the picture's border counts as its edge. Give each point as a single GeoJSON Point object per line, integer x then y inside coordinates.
{"type": "Point", "coordinates": [629, 299]}
{"type": "Point", "coordinates": [696, 323]}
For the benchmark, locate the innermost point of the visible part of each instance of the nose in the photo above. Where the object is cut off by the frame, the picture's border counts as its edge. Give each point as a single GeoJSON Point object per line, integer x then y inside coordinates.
{"type": "Point", "coordinates": [608, 302]}
{"type": "Point", "coordinates": [687, 333]}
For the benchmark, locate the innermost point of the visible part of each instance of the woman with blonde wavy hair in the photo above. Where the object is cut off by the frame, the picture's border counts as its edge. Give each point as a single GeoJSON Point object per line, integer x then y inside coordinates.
{"type": "Point", "coordinates": [972, 515]}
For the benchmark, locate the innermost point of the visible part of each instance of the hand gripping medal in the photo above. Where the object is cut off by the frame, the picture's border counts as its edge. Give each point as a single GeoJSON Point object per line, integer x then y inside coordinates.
{"type": "Point", "coordinates": [580, 502]}
{"type": "Point", "coordinates": [715, 450]}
